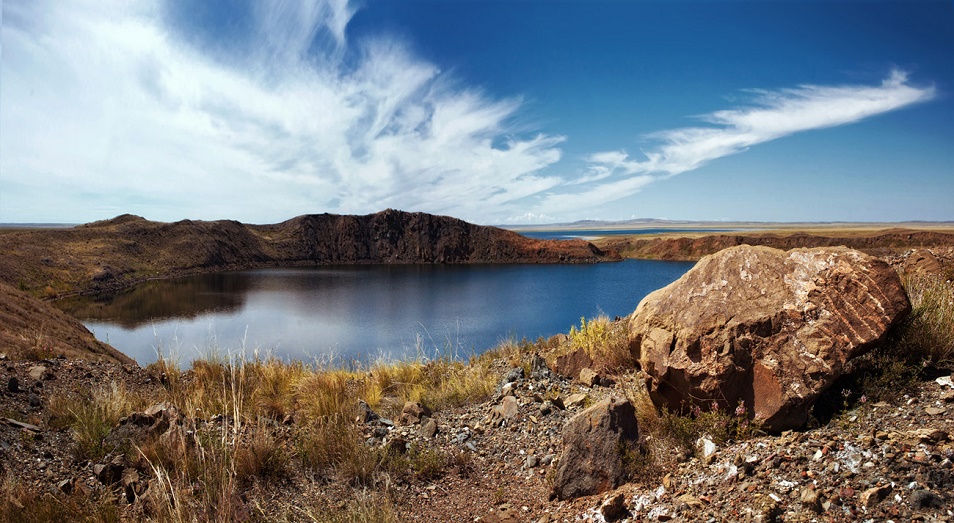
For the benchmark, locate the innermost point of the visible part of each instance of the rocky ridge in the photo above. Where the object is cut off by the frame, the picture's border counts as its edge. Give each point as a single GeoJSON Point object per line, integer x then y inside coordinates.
{"type": "Point", "coordinates": [128, 249]}
{"type": "Point", "coordinates": [884, 243]}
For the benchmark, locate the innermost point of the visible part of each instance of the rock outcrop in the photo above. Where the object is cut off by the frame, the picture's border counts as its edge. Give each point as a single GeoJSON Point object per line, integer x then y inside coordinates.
{"type": "Point", "coordinates": [875, 243]}
{"type": "Point", "coordinates": [128, 249]}
{"type": "Point", "coordinates": [596, 444]}
{"type": "Point", "coordinates": [570, 365]}
{"type": "Point", "coordinates": [769, 328]}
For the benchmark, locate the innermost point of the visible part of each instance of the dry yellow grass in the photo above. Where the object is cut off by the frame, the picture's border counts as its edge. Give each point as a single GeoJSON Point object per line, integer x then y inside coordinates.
{"type": "Point", "coordinates": [198, 473]}
{"type": "Point", "coordinates": [929, 330]}
{"type": "Point", "coordinates": [605, 341]}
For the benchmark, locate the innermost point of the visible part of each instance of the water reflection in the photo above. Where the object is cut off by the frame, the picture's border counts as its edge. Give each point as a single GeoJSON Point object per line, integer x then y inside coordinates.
{"type": "Point", "coordinates": [360, 312]}
{"type": "Point", "coordinates": [182, 298]}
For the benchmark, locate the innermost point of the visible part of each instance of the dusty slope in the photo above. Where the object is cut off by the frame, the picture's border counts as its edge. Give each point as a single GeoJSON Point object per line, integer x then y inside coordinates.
{"type": "Point", "coordinates": [129, 249]}
{"type": "Point", "coordinates": [33, 329]}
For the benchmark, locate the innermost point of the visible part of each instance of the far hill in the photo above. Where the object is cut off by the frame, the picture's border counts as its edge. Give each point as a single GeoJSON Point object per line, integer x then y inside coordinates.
{"type": "Point", "coordinates": [688, 246]}
{"type": "Point", "coordinates": [659, 223]}
{"type": "Point", "coordinates": [128, 249]}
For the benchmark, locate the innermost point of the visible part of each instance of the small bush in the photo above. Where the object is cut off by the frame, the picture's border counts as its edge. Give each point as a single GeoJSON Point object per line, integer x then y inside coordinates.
{"type": "Point", "coordinates": [717, 424]}
{"type": "Point", "coordinates": [452, 383]}
{"type": "Point", "coordinates": [364, 507]}
{"type": "Point", "coordinates": [605, 341]}
{"type": "Point", "coordinates": [275, 382]}
{"type": "Point", "coordinates": [426, 463]}
{"type": "Point", "coordinates": [260, 457]}
{"type": "Point", "coordinates": [329, 393]}
{"type": "Point", "coordinates": [165, 371]}
{"type": "Point", "coordinates": [325, 442]}
{"type": "Point", "coordinates": [638, 461]}
{"type": "Point", "coordinates": [197, 480]}
{"type": "Point", "coordinates": [928, 333]}
{"type": "Point", "coordinates": [363, 465]}
{"type": "Point", "coordinates": [40, 349]}
{"type": "Point", "coordinates": [515, 353]}
{"type": "Point", "coordinates": [91, 418]}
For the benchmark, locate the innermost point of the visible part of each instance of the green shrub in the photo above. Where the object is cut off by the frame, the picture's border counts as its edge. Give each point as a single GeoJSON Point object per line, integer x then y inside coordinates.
{"type": "Point", "coordinates": [717, 424]}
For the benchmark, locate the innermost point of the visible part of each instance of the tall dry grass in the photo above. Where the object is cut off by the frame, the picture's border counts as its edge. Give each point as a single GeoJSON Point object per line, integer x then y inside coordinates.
{"type": "Point", "coordinates": [200, 479]}
{"type": "Point", "coordinates": [90, 418]}
{"type": "Point", "coordinates": [928, 333]}
{"type": "Point", "coordinates": [605, 341]}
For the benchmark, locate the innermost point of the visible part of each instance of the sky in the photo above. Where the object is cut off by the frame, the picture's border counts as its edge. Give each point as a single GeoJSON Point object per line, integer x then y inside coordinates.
{"type": "Point", "coordinates": [496, 112]}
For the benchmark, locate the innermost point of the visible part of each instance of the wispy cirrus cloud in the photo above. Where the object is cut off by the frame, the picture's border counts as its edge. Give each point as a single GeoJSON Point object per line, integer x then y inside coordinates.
{"type": "Point", "coordinates": [110, 104]}
{"type": "Point", "coordinates": [108, 108]}
{"type": "Point", "coordinates": [611, 176]}
{"type": "Point", "coordinates": [772, 115]}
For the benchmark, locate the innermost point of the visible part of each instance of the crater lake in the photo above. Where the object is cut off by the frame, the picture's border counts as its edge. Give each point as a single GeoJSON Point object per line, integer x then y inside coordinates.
{"type": "Point", "coordinates": [363, 312]}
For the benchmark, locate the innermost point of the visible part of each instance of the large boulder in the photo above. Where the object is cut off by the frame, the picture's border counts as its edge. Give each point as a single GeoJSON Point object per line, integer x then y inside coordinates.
{"type": "Point", "coordinates": [770, 328]}
{"type": "Point", "coordinates": [597, 444]}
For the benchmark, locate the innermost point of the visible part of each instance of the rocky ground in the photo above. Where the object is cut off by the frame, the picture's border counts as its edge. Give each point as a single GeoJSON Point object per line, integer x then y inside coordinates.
{"type": "Point", "coordinates": [888, 459]}
{"type": "Point", "coordinates": [875, 462]}
{"type": "Point", "coordinates": [126, 250]}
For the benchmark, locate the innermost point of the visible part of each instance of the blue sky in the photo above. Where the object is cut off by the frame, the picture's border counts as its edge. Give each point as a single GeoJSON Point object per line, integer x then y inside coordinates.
{"type": "Point", "coordinates": [498, 112]}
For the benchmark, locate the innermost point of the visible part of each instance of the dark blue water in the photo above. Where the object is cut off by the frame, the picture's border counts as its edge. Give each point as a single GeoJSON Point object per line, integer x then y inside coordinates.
{"type": "Point", "coordinates": [594, 233]}
{"type": "Point", "coordinates": [365, 312]}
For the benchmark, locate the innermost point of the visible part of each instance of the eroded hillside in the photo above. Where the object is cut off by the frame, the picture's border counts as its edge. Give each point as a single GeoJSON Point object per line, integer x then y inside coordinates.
{"type": "Point", "coordinates": [129, 249]}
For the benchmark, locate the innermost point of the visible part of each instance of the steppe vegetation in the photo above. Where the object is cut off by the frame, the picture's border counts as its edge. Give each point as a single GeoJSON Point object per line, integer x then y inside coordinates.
{"type": "Point", "coordinates": [261, 439]}
{"type": "Point", "coordinates": [259, 421]}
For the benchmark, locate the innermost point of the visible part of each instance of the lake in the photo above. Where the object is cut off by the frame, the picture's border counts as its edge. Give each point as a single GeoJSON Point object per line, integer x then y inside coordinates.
{"type": "Point", "coordinates": [364, 312]}
{"type": "Point", "coordinates": [589, 234]}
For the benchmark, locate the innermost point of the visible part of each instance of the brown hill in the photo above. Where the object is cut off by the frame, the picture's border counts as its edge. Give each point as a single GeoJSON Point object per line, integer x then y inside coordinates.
{"type": "Point", "coordinates": [33, 329]}
{"type": "Point", "coordinates": [876, 243]}
{"type": "Point", "coordinates": [129, 249]}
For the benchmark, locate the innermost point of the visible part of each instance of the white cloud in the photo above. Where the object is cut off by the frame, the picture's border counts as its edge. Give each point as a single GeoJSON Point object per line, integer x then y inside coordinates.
{"type": "Point", "coordinates": [109, 106]}
{"type": "Point", "coordinates": [530, 218]}
{"type": "Point", "coordinates": [611, 176]}
{"type": "Point", "coordinates": [773, 115]}
{"type": "Point", "coordinates": [105, 112]}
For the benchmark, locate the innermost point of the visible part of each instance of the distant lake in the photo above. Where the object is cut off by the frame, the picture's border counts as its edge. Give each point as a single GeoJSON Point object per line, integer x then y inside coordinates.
{"type": "Point", "coordinates": [594, 233]}
{"type": "Point", "coordinates": [364, 312]}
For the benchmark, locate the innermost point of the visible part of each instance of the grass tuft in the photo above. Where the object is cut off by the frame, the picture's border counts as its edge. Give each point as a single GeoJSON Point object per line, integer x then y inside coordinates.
{"type": "Point", "coordinates": [604, 340]}
{"type": "Point", "coordinates": [91, 418]}
{"type": "Point", "coordinates": [25, 504]}
{"type": "Point", "coordinates": [928, 332]}
{"type": "Point", "coordinates": [365, 506]}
